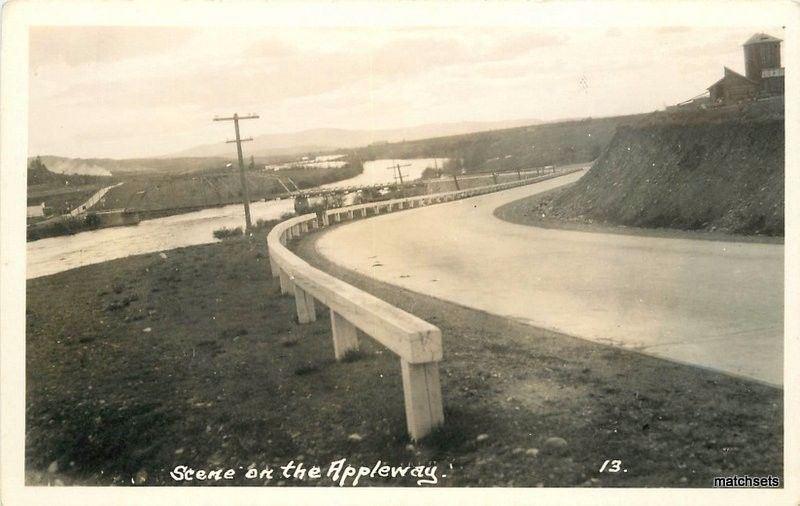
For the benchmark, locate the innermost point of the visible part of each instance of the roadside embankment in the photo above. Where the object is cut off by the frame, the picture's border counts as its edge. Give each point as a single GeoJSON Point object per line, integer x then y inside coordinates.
{"type": "Point", "coordinates": [724, 176]}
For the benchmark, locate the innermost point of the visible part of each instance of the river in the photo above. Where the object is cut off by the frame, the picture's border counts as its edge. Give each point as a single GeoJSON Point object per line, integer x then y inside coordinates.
{"type": "Point", "coordinates": [56, 254]}
{"type": "Point", "coordinates": [384, 171]}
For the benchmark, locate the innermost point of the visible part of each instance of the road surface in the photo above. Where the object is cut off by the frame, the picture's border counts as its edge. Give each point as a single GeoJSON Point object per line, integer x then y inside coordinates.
{"type": "Point", "coordinates": [94, 199]}
{"type": "Point", "coordinates": [708, 303]}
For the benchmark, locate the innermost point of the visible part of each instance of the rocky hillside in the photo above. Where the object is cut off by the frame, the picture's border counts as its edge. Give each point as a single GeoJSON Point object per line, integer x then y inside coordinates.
{"type": "Point", "coordinates": [722, 175]}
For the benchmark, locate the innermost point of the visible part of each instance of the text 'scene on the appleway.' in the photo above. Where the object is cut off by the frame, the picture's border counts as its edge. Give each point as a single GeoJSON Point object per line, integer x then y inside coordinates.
{"type": "Point", "coordinates": [339, 472]}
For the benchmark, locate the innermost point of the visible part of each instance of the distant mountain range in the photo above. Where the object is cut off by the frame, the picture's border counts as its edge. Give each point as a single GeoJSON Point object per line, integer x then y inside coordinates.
{"type": "Point", "coordinates": [320, 139]}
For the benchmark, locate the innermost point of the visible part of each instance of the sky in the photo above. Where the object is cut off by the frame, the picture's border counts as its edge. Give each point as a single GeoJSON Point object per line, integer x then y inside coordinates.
{"type": "Point", "coordinates": [124, 92]}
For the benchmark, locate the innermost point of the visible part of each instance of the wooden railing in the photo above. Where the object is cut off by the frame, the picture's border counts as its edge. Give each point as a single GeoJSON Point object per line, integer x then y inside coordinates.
{"type": "Point", "coordinates": [417, 343]}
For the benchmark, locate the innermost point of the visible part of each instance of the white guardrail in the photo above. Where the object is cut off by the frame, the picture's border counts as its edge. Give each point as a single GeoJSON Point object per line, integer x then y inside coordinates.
{"type": "Point", "coordinates": [415, 341]}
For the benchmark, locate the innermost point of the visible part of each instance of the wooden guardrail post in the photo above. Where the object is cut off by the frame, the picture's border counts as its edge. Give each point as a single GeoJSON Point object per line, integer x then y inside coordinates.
{"type": "Point", "coordinates": [286, 284]}
{"type": "Point", "coordinates": [306, 309]}
{"type": "Point", "coordinates": [345, 336]}
{"type": "Point", "coordinates": [423, 397]}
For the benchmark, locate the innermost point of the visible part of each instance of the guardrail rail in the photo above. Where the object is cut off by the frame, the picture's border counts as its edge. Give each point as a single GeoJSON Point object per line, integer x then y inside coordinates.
{"type": "Point", "coordinates": [417, 343]}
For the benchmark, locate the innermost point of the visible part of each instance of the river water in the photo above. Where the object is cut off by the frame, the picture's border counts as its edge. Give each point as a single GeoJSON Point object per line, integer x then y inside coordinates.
{"type": "Point", "coordinates": [384, 171]}
{"type": "Point", "coordinates": [56, 254]}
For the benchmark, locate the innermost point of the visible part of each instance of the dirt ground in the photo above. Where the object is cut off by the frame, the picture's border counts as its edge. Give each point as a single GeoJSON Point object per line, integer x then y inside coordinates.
{"type": "Point", "coordinates": [141, 364]}
{"type": "Point", "coordinates": [725, 176]}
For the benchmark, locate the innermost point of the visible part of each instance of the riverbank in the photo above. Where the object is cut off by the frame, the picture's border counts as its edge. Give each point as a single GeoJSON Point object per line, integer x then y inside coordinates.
{"type": "Point", "coordinates": [193, 357]}
{"type": "Point", "coordinates": [155, 196]}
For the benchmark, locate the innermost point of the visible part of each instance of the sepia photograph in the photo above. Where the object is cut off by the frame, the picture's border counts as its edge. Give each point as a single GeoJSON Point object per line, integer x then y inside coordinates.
{"type": "Point", "coordinates": [519, 248]}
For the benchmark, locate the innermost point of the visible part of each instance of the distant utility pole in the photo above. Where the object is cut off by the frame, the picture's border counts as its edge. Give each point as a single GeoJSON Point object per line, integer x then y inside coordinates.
{"type": "Point", "coordinates": [399, 174]}
{"type": "Point", "coordinates": [245, 196]}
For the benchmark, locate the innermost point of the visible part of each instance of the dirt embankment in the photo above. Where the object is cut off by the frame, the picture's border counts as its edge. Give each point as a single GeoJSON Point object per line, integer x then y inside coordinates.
{"type": "Point", "coordinates": [723, 176]}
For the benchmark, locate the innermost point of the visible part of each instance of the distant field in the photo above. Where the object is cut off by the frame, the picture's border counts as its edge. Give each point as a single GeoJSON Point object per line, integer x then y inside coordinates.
{"type": "Point", "coordinates": [162, 184]}
{"type": "Point", "coordinates": [63, 202]}
{"type": "Point", "coordinates": [212, 188]}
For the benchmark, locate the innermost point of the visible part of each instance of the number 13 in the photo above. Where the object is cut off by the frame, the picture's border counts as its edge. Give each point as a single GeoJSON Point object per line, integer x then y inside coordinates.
{"type": "Point", "coordinates": [615, 467]}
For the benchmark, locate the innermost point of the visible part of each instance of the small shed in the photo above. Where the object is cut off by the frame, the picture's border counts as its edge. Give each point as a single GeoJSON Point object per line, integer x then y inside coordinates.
{"type": "Point", "coordinates": [36, 211]}
{"type": "Point", "coordinates": [733, 88]}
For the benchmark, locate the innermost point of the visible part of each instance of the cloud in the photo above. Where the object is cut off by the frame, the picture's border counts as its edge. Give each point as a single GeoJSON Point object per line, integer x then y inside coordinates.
{"type": "Point", "coordinates": [78, 45]}
{"type": "Point", "coordinates": [137, 91]}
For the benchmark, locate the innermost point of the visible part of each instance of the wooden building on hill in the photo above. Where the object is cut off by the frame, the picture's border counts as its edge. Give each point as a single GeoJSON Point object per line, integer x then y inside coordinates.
{"type": "Point", "coordinates": [764, 76]}
{"type": "Point", "coordinates": [733, 88]}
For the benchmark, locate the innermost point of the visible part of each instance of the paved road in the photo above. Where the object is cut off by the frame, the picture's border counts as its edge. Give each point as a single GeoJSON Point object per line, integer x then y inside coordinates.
{"type": "Point", "coordinates": [713, 304]}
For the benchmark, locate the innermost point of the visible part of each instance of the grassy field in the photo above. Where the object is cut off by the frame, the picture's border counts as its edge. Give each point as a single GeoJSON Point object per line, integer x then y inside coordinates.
{"type": "Point", "coordinates": [213, 188]}
{"type": "Point", "coordinates": [141, 364]}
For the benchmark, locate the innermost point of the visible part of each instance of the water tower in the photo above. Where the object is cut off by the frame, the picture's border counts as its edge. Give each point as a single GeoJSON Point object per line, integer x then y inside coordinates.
{"type": "Point", "coordinates": [761, 52]}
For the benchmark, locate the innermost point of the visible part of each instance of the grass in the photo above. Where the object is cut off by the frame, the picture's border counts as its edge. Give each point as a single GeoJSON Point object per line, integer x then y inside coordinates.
{"type": "Point", "coordinates": [259, 226]}
{"type": "Point", "coordinates": [140, 364]}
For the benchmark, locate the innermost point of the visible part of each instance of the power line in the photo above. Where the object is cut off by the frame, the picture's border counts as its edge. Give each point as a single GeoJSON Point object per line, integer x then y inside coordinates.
{"type": "Point", "coordinates": [399, 174]}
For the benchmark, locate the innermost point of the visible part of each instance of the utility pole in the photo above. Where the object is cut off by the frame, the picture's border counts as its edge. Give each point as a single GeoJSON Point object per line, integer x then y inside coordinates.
{"type": "Point", "coordinates": [399, 174]}
{"type": "Point", "coordinates": [245, 196]}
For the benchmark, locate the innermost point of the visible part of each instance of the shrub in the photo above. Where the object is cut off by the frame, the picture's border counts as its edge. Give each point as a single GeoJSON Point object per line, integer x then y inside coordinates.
{"type": "Point", "coordinates": [64, 225]}
{"type": "Point", "coordinates": [227, 233]}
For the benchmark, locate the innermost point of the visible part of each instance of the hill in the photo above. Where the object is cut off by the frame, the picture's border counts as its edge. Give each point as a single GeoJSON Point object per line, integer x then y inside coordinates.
{"type": "Point", "coordinates": [321, 139]}
{"type": "Point", "coordinates": [725, 174]}
{"type": "Point", "coordinates": [563, 142]}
